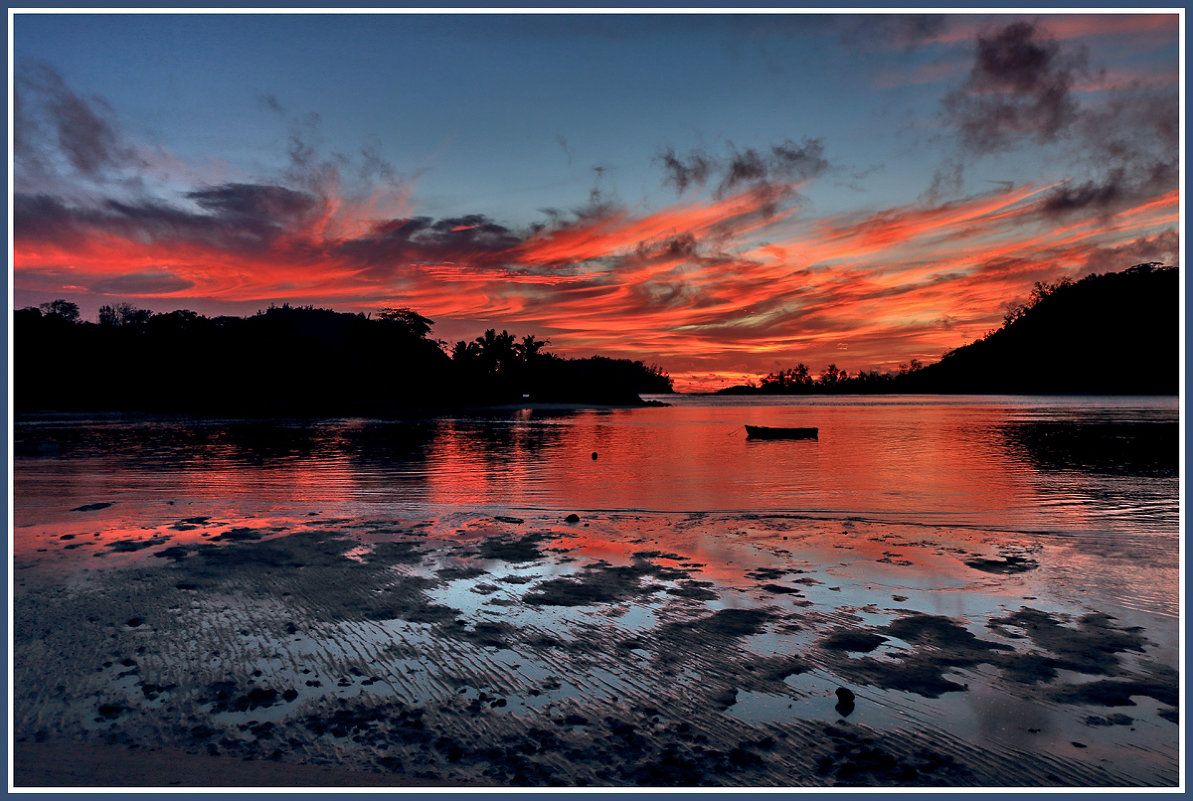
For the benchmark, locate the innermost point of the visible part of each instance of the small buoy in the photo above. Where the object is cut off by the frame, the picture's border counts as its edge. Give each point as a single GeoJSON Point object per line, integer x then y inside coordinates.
{"type": "Point", "coordinates": [594, 454]}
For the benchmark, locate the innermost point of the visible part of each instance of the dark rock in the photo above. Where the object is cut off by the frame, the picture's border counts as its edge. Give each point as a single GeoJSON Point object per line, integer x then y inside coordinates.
{"type": "Point", "coordinates": [240, 534]}
{"type": "Point", "coordinates": [1006, 565]}
{"type": "Point", "coordinates": [110, 711]}
{"type": "Point", "coordinates": [853, 641]}
{"type": "Point", "coordinates": [95, 507]}
{"type": "Point", "coordinates": [125, 546]}
{"type": "Point", "coordinates": [845, 698]}
{"type": "Point", "coordinates": [523, 550]}
{"type": "Point", "coordinates": [453, 573]}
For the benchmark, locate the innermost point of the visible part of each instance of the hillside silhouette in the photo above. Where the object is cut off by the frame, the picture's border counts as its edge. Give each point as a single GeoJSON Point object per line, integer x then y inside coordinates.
{"type": "Point", "coordinates": [293, 361]}
{"type": "Point", "coordinates": [1107, 334]}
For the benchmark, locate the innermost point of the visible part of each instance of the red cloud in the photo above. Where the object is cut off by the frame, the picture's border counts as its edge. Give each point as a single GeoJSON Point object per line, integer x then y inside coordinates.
{"type": "Point", "coordinates": [688, 286]}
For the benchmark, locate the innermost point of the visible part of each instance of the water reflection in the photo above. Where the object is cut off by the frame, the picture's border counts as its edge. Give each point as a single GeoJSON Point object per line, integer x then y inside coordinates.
{"type": "Point", "coordinates": [1020, 464]}
{"type": "Point", "coordinates": [1137, 448]}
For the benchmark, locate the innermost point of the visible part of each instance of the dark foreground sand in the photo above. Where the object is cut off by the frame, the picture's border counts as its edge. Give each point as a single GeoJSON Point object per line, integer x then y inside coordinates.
{"type": "Point", "coordinates": [99, 765]}
{"type": "Point", "coordinates": [616, 650]}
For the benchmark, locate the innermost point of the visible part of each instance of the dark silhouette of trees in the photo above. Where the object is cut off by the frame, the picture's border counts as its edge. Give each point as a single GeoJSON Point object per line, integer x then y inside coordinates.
{"type": "Point", "coordinates": [122, 314]}
{"type": "Point", "coordinates": [408, 320]}
{"type": "Point", "coordinates": [1039, 292]}
{"type": "Point", "coordinates": [798, 380]}
{"type": "Point", "coordinates": [792, 379]}
{"type": "Point", "coordinates": [490, 354]}
{"type": "Point", "coordinates": [598, 379]}
{"type": "Point", "coordinates": [1115, 333]}
{"type": "Point", "coordinates": [505, 370]}
{"type": "Point", "coordinates": [292, 361]}
{"type": "Point", "coordinates": [63, 308]}
{"type": "Point", "coordinates": [832, 377]}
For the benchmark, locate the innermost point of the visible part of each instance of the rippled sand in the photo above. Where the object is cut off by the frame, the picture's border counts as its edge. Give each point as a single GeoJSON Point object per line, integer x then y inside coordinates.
{"type": "Point", "coordinates": [614, 649]}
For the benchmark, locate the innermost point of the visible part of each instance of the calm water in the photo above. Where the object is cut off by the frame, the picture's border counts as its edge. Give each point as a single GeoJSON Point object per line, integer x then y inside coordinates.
{"type": "Point", "coordinates": [1078, 465]}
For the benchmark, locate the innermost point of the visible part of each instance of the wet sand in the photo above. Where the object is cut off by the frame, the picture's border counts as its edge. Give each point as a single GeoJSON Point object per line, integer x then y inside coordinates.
{"type": "Point", "coordinates": [605, 650]}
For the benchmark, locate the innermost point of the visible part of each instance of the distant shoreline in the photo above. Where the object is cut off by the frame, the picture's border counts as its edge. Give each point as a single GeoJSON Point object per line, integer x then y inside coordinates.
{"type": "Point", "coordinates": [532, 406]}
{"type": "Point", "coordinates": [395, 414]}
{"type": "Point", "coordinates": [820, 393]}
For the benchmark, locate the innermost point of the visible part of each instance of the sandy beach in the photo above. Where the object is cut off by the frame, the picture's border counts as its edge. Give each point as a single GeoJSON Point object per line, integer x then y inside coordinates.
{"type": "Point", "coordinates": [604, 650]}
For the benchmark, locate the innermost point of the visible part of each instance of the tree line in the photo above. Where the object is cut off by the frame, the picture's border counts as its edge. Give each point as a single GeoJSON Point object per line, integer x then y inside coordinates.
{"type": "Point", "coordinates": [801, 380]}
{"type": "Point", "coordinates": [293, 361]}
{"type": "Point", "coordinates": [1111, 333]}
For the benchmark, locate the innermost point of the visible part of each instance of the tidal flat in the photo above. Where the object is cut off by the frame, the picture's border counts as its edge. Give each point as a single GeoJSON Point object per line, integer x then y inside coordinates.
{"type": "Point", "coordinates": [600, 649]}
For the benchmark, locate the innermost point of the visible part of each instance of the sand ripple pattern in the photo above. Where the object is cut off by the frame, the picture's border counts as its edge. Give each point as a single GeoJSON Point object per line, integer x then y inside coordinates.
{"type": "Point", "coordinates": [619, 651]}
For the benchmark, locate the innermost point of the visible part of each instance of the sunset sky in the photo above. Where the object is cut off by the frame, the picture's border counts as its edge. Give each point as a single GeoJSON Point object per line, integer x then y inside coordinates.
{"type": "Point", "coordinates": [721, 195]}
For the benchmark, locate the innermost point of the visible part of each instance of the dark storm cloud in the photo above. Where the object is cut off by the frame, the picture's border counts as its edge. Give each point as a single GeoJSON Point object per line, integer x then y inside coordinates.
{"type": "Point", "coordinates": [471, 232]}
{"type": "Point", "coordinates": [473, 239]}
{"type": "Point", "coordinates": [1136, 130]}
{"type": "Point", "coordinates": [691, 170]}
{"type": "Point", "coordinates": [1123, 142]}
{"type": "Point", "coordinates": [235, 216]}
{"type": "Point", "coordinates": [683, 247]}
{"type": "Point", "coordinates": [744, 168]}
{"type": "Point", "coordinates": [52, 219]}
{"type": "Point", "coordinates": [1020, 87]}
{"type": "Point", "coordinates": [1130, 149]}
{"type": "Point", "coordinates": [147, 219]}
{"type": "Point", "coordinates": [141, 284]}
{"type": "Point", "coordinates": [801, 162]}
{"type": "Point", "coordinates": [25, 131]}
{"type": "Point", "coordinates": [251, 221]}
{"type": "Point", "coordinates": [256, 207]}
{"type": "Point", "coordinates": [43, 218]}
{"type": "Point", "coordinates": [1164, 247]}
{"type": "Point", "coordinates": [52, 119]}
{"type": "Point", "coordinates": [784, 163]}
{"type": "Point", "coordinates": [1081, 197]}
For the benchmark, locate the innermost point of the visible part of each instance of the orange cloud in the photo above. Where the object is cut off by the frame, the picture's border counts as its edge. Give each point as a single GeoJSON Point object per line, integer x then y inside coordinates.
{"type": "Point", "coordinates": [689, 286]}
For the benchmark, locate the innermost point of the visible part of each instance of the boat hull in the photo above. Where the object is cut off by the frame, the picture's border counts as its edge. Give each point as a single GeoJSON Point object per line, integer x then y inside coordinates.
{"type": "Point", "coordinates": [768, 432]}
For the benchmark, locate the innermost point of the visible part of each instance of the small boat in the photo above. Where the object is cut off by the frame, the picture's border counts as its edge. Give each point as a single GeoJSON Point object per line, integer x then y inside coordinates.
{"type": "Point", "coordinates": [767, 432]}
